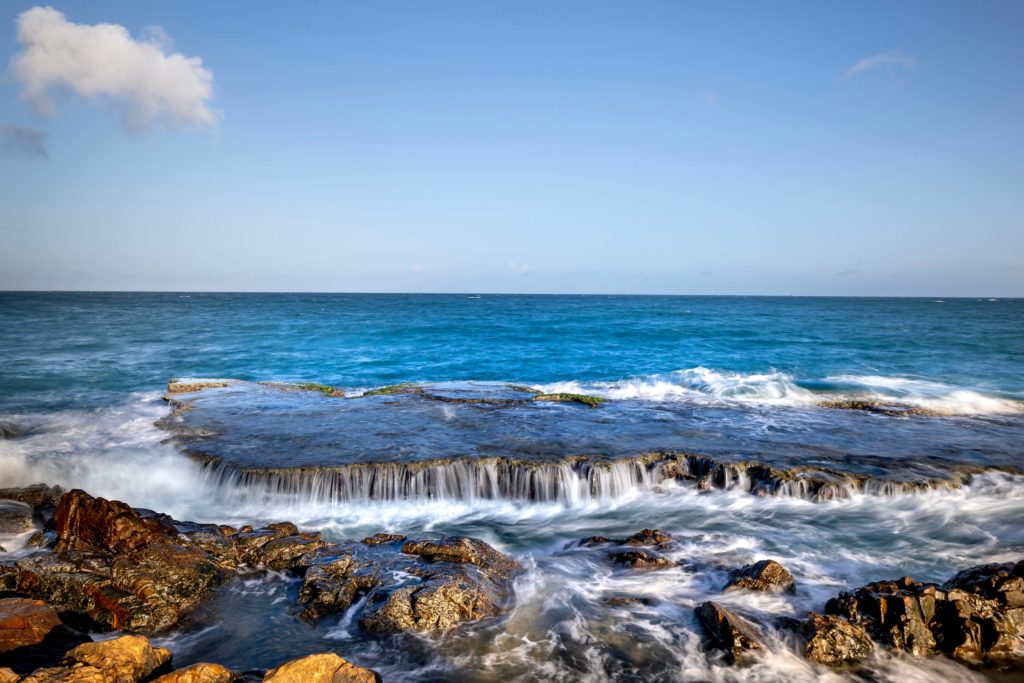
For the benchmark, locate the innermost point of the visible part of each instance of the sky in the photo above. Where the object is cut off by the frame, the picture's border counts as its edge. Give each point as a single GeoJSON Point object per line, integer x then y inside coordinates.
{"type": "Point", "coordinates": [790, 148]}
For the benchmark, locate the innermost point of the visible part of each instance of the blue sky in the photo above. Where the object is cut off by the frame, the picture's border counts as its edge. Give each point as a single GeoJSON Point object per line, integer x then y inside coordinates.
{"type": "Point", "coordinates": [534, 147]}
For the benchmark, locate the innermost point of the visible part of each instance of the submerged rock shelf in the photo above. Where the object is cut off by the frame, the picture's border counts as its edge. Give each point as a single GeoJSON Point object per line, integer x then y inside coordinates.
{"type": "Point", "coordinates": [473, 441]}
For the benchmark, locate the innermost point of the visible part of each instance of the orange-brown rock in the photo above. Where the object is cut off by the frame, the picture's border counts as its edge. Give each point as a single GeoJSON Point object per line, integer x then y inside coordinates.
{"type": "Point", "coordinates": [321, 668]}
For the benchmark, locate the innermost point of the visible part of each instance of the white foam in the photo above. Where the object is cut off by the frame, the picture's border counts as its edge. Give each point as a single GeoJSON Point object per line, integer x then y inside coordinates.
{"type": "Point", "coordinates": [705, 385]}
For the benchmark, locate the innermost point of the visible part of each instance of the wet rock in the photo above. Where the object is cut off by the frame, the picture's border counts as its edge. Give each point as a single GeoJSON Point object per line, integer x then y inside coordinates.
{"type": "Point", "coordinates": [15, 517]}
{"type": "Point", "coordinates": [834, 641]}
{"type": "Point", "coordinates": [896, 613]}
{"type": "Point", "coordinates": [333, 582]}
{"type": "Point", "coordinates": [766, 576]}
{"type": "Point", "coordinates": [377, 539]}
{"type": "Point", "coordinates": [974, 617]}
{"type": "Point", "coordinates": [188, 387]}
{"type": "Point", "coordinates": [97, 524]}
{"type": "Point", "coordinates": [32, 635]}
{"type": "Point", "coordinates": [321, 668]}
{"type": "Point", "coordinates": [425, 585]}
{"type": "Point", "coordinates": [290, 552]}
{"type": "Point", "coordinates": [641, 559]}
{"type": "Point", "coordinates": [651, 538]}
{"type": "Point", "coordinates": [199, 673]}
{"type": "Point", "coordinates": [627, 600]}
{"type": "Point", "coordinates": [8, 676]}
{"type": "Point", "coordinates": [462, 550]}
{"type": "Point", "coordinates": [728, 632]}
{"type": "Point", "coordinates": [444, 598]}
{"type": "Point", "coordinates": [128, 659]}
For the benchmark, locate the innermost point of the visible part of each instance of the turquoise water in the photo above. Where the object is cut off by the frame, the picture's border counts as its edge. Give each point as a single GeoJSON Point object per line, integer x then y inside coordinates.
{"type": "Point", "coordinates": [67, 349]}
{"type": "Point", "coordinates": [82, 376]}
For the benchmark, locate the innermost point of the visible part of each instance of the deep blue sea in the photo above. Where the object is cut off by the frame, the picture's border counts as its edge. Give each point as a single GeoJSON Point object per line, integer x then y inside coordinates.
{"type": "Point", "coordinates": [82, 377]}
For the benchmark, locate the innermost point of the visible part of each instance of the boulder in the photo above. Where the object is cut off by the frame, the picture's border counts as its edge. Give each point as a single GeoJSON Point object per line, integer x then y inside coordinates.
{"type": "Point", "coordinates": [461, 550]}
{"type": "Point", "coordinates": [321, 668]}
{"type": "Point", "coordinates": [128, 659]}
{"type": "Point", "coordinates": [334, 581]}
{"type": "Point", "coordinates": [8, 676]}
{"type": "Point", "coordinates": [726, 631]}
{"type": "Point", "coordinates": [25, 622]}
{"type": "Point", "coordinates": [766, 576]}
{"type": "Point", "coordinates": [37, 495]}
{"type": "Point", "coordinates": [834, 641]}
{"type": "Point", "coordinates": [198, 673]}
{"type": "Point", "coordinates": [641, 559]}
{"type": "Point", "coordinates": [97, 524]}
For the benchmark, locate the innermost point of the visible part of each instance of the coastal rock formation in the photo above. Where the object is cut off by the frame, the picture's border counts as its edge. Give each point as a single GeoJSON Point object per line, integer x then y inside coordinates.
{"type": "Point", "coordinates": [32, 635]}
{"type": "Point", "coordinates": [321, 668]}
{"type": "Point", "coordinates": [24, 623]}
{"type": "Point", "coordinates": [133, 659]}
{"type": "Point", "coordinates": [977, 616]}
{"type": "Point", "coordinates": [834, 641]}
{"type": "Point", "coordinates": [114, 567]}
{"type": "Point", "coordinates": [767, 576]}
{"type": "Point", "coordinates": [454, 579]}
{"type": "Point", "coordinates": [639, 551]}
{"type": "Point", "coordinates": [128, 659]}
{"type": "Point", "coordinates": [199, 673]}
{"type": "Point", "coordinates": [728, 632]}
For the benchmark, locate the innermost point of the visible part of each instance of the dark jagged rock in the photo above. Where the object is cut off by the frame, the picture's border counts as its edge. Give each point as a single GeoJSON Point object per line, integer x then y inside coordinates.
{"type": "Point", "coordinates": [726, 631]}
{"type": "Point", "coordinates": [834, 641]}
{"type": "Point", "coordinates": [975, 617]}
{"type": "Point", "coordinates": [767, 576]}
{"type": "Point", "coordinates": [651, 538]}
{"type": "Point", "coordinates": [41, 498]}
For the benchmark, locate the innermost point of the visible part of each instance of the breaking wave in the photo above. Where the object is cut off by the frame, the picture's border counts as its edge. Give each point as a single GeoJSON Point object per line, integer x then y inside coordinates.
{"type": "Point", "coordinates": [706, 385]}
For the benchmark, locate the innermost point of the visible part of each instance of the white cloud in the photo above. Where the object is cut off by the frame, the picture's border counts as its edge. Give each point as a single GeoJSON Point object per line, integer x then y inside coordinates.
{"type": "Point", "coordinates": [102, 62]}
{"type": "Point", "coordinates": [895, 59]}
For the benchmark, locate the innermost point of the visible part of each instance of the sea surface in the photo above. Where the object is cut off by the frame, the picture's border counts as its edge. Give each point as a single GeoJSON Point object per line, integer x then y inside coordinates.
{"type": "Point", "coordinates": [738, 379]}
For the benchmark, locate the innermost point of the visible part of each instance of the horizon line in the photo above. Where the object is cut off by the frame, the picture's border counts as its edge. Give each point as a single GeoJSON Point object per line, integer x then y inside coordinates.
{"type": "Point", "coordinates": [483, 293]}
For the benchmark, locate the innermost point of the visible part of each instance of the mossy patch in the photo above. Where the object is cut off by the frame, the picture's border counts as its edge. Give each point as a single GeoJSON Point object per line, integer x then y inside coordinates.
{"type": "Point", "coordinates": [891, 409]}
{"type": "Point", "coordinates": [403, 388]}
{"type": "Point", "coordinates": [591, 401]}
{"type": "Point", "coordinates": [325, 389]}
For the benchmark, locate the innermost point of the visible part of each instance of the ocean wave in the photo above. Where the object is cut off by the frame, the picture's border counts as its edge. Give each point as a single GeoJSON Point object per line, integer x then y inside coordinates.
{"type": "Point", "coordinates": [706, 385]}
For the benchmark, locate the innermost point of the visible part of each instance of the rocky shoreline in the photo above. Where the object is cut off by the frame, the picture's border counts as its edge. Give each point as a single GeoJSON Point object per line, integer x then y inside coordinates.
{"type": "Point", "coordinates": [98, 566]}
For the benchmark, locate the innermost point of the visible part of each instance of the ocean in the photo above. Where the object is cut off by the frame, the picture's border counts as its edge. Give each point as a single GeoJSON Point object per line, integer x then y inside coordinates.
{"type": "Point", "coordinates": [913, 407]}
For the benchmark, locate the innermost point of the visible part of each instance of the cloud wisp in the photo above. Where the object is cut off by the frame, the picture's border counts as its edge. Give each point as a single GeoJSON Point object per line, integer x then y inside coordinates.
{"type": "Point", "coordinates": [892, 60]}
{"type": "Point", "coordinates": [145, 83]}
{"type": "Point", "coordinates": [23, 142]}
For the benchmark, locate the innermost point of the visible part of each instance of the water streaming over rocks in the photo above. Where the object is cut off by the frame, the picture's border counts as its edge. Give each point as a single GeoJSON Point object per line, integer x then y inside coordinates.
{"type": "Point", "coordinates": [852, 442]}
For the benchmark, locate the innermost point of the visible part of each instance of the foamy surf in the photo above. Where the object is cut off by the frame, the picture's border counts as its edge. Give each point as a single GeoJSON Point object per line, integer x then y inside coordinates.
{"type": "Point", "coordinates": [709, 386]}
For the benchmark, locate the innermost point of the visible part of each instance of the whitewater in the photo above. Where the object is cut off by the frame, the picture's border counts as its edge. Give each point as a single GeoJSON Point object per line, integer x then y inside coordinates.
{"type": "Point", "coordinates": [788, 383]}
